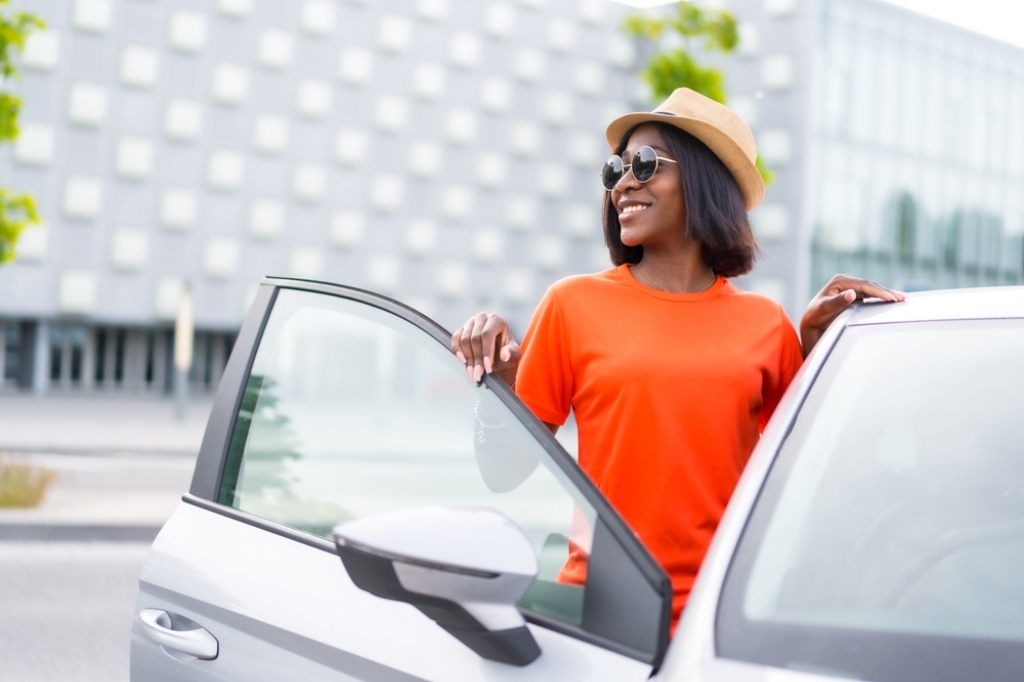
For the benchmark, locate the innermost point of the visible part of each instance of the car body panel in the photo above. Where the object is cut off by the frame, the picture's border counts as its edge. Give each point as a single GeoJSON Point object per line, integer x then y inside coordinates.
{"type": "Point", "coordinates": [954, 304]}
{"type": "Point", "coordinates": [273, 624]}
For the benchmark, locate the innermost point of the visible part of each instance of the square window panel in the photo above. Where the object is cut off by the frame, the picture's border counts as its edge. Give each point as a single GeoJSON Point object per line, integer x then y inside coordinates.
{"type": "Point", "coordinates": [83, 197]}
{"type": "Point", "coordinates": [235, 9]}
{"type": "Point", "coordinates": [488, 245]}
{"type": "Point", "coordinates": [428, 81]}
{"type": "Point", "coordinates": [313, 99]}
{"type": "Point", "coordinates": [420, 237]}
{"type": "Point", "coordinates": [350, 146]}
{"type": "Point", "coordinates": [266, 218]}
{"type": "Point", "coordinates": [589, 78]}
{"type": "Point", "coordinates": [133, 158]}
{"type": "Point", "coordinates": [424, 159]}
{"type": "Point", "coordinates": [220, 257]}
{"type": "Point", "coordinates": [775, 146]}
{"type": "Point", "coordinates": [585, 151]}
{"type": "Point", "coordinates": [93, 16]}
{"type": "Point", "coordinates": [178, 209]}
{"type": "Point", "coordinates": [456, 201]}
{"type": "Point", "coordinates": [309, 181]}
{"type": "Point", "coordinates": [270, 133]}
{"type": "Point", "coordinates": [518, 286]}
{"type": "Point", "coordinates": [183, 119]}
{"type": "Point", "coordinates": [390, 113]}
{"type": "Point", "coordinates": [188, 30]}
{"type": "Point", "coordinates": [33, 243]}
{"type": "Point", "coordinates": [35, 143]}
{"type": "Point", "coordinates": [770, 222]}
{"type": "Point", "coordinates": [591, 11]}
{"type": "Point", "coordinates": [549, 252]}
{"type": "Point", "coordinates": [620, 52]}
{"type": "Point", "coordinates": [499, 20]}
{"type": "Point", "coordinates": [42, 50]}
{"type": "Point", "coordinates": [557, 108]}
{"type": "Point", "coordinates": [525, 139]}
{"type": "Point", "coordinates": [394, 33]}
{"type": "Point", "coordinates": [354, 65]}
{"type": "Point", "coordinates": [553, 180]}
{"type": "Point", "coordinates": [76, 292]}
{"type": "Point", "coordinates": [746, 107]}
{"type": "Point", "coordinates": [230, 83]}
{"type": "Point", "coordinates": [522, 212]}
{"type": "Point", "coordinates": [452, 279]}
{"type": "Point", "coordinates": [306, 262]}
{"type": "Point", "coordinates": [582, 220]}
{"type": "Point", "coordinates": [347, 228]}
{"type": "Point", "coordinates": [490, 170]}
{"type": "Point", "coordinates": [224, 169]}
{"type": "Point", "coordinates": [128, 250]}
{"type": "Point", "coordinates": [495, 95]}
{"type": "Point", "coordinates": [275, 49]}
{"type": "Point", "coordinates": [464, 50]}
{"type": "Point", "coordinates": [386, 193]}
{"type": "Point", "coordinates": [139, 66]}
{"type": "Point", "coordinates": [780, 8]}
{"type": "Point", "coordinates": [318, 17]}
{"type": "Point", "coordinates": [749, 39]}
{"type": "Point", "coordinates": [87, 104]}
{"type": "Point", "coordinates": [560, 35]}
{"type": "Point", "coordinates": [432, 10]}
{"type": "Point", "coordinates": [778, 72]}
{"type": "Point", "coordinates": [382, 272]}
{"type": "Point", "coordinates": [529, 65]}
{"type": "Point", "coordinates": [167, 297]}
{"type": "Point", "coordinates": [460, 126]}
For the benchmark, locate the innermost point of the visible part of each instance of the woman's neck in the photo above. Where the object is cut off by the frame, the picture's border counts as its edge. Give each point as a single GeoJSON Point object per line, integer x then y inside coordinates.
{"type": "Point", "coordinates": [677, 272]}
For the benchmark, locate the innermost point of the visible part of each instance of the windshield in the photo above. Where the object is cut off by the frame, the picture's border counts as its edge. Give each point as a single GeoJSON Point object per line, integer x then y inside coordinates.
{"type": "Point", "coordinates": [891, 527]}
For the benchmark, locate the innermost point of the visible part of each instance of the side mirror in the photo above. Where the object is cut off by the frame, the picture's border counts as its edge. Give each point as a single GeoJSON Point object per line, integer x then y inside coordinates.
{"type": "Point", "coordinates": [465, 568]}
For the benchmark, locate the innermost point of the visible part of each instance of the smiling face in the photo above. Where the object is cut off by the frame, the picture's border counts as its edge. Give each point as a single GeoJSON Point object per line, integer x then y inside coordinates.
{"type": "Point", "coordinates": [652, 214]}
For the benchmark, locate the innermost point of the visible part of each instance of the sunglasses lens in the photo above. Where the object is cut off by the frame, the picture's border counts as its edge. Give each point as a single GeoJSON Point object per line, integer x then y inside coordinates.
{"type": "Point", "coordinates": [612, 171]}
{"type": "Point", "coordinates": [645, 162]}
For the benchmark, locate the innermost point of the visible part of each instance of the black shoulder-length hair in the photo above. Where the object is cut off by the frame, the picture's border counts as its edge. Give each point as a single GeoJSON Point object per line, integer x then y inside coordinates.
{"type": "Point", "coordinates": [715, 213]}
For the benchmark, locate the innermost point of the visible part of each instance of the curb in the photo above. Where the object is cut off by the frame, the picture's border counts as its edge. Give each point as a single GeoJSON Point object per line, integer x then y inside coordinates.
{"type": "Point", "coordinates": [41, 532]}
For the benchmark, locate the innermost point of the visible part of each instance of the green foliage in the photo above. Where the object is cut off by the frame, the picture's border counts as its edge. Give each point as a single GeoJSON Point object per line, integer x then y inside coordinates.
{"type": "Point", "coordinates": [16, 210]}
{"type": "Point", "coordinates": [676, 67]}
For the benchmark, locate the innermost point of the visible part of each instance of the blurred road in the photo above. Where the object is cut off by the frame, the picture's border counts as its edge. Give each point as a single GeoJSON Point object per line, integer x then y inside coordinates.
{"type": "Point", "coordinates": [122, 463]}
{"type": "Point", "coordinates": [66, 610]}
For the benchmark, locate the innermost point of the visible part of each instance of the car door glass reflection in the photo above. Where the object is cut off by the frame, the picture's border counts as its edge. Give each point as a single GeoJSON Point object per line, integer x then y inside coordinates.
{"type": "Point", "coordinates": [350, 411]}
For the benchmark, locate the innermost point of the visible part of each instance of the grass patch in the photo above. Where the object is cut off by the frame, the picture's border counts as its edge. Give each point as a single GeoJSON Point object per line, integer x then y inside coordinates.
{"type": "Point", "coordinates": [23, 485]}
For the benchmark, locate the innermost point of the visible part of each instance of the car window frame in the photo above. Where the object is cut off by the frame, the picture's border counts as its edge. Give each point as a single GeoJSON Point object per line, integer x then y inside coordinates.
{"type": "Point", "coordinates": [604, 624]}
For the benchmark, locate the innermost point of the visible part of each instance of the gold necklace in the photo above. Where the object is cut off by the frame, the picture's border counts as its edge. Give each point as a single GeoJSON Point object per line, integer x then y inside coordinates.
{"type": "Point", "coordinates": [714, 278]}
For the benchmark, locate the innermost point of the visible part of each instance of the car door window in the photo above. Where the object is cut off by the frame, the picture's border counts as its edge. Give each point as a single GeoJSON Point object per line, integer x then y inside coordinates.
{"type": "Point", "coordinates": [350, 411]}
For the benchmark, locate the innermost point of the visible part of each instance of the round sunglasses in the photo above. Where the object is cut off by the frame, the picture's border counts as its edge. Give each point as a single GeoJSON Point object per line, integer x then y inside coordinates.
{"type": "Point", "coordinates": [644, 166]}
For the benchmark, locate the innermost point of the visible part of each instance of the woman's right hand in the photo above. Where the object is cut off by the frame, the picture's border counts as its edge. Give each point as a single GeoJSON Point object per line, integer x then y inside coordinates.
{"type": "Point", "coordinates": [485, 344]}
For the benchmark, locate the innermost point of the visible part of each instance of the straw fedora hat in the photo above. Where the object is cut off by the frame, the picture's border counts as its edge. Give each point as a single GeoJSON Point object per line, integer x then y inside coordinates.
{"type": "Point", "coordinates": [714, 124]}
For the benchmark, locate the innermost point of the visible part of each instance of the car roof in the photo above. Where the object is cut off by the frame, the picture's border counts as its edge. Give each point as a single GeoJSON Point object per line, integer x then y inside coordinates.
{"type": "Point", "coordinates": [982, 303]}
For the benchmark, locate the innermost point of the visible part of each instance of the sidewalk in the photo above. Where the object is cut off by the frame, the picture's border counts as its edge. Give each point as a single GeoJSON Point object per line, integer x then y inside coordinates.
{"type": "Point", "coordinates": [122, 463]}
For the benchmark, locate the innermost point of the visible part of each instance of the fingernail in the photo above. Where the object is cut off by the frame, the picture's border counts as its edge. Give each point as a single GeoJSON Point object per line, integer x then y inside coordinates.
{"type": "Point", "coordinates": [462, 358]}
{"type": "Point", "coordinates": [469, 372]}
{"type": "Point", "coordinates": [478, 373]}
{"type": "Point", "coordinates": [488, 365]}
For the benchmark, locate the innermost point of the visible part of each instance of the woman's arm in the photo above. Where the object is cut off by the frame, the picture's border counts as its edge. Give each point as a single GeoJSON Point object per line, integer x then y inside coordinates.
{"type": "Point", "coordinates": [834, 298]}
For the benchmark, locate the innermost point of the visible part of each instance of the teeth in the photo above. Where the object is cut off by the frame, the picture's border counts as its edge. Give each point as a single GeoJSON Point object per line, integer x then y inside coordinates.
{"type": "Point", "coordinates": [632, 209]}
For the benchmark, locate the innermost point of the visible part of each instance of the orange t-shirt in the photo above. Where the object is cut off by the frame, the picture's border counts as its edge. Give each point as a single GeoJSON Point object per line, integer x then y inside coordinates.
{"type": "Point", "coordinates": [670, 393]}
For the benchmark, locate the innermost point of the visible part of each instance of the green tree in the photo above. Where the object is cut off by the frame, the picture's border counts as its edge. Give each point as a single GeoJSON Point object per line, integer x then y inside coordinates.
{"type": "Point", "coordinates": [677, 67]}
{"type": "Point", "coordinates": [16, 210]}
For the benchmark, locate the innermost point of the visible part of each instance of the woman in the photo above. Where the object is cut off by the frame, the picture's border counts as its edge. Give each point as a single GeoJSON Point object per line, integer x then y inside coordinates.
{"type": "Point", "coordinates": [670, 370]}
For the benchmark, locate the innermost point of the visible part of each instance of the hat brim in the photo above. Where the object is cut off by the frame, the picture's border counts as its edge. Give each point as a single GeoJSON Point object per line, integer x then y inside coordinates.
{"type": "Point", "coordinates": [743, 170]}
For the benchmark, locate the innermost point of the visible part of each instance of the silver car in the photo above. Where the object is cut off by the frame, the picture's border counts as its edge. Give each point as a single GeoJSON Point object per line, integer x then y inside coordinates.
{"type": "Point", "coordinates": [362, 511]}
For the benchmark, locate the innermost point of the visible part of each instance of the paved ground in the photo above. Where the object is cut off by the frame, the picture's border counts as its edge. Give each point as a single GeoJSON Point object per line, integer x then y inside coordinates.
{"type": "Point", "coordinates": [122, 463]}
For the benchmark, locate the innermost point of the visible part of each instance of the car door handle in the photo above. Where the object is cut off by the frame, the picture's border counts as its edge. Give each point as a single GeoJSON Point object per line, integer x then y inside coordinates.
{"type": "Point", "coordinates": [157, 626]}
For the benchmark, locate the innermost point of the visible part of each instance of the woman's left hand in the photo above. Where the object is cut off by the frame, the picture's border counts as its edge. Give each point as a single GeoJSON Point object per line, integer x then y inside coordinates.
{"type": "Point", "coordinates": [834, 298]}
